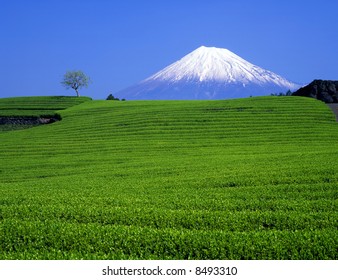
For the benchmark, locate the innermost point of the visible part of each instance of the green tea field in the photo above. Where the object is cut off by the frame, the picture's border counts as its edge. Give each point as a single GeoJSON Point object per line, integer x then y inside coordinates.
{"type": "Point", "coordinates": [253, 178]}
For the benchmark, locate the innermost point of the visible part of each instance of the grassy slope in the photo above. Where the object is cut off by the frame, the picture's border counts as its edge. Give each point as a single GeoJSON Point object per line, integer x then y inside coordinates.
{"type": "Point", "coordinates": [34, 107]}
{"type": "Point", "coordinates": [38, 105]}
{"type": "Point", "coordinates": [241, 179]}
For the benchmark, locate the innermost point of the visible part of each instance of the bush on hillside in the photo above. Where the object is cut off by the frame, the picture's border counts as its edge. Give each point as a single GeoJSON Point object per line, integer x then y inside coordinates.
{"type": "Point", "coordinates": [111, 97]}
{"type": "Point", "coordinates": [288, 93]}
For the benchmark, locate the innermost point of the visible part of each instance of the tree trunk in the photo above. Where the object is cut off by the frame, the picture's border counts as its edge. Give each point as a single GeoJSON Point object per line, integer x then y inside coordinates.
{"type": "Point", "coordinates": [77, 93]}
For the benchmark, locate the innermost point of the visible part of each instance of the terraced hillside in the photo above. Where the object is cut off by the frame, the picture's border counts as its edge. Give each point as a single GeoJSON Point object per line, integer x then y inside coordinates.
{"type": "Point", "coordinates": [249, 178]}
{"type": "Point", "coordinates": [24, 112]}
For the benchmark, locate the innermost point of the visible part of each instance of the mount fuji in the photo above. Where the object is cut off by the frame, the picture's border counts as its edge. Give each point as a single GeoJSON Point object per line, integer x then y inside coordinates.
{"type": "Point", "coordinates": [208, 73]}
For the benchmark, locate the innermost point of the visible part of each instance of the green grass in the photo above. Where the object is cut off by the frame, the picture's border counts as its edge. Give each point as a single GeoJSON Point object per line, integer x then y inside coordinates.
{"type": "Point", "coordinates": [38, 106]}
{"type": "Point", "coordinates": [248, 178]}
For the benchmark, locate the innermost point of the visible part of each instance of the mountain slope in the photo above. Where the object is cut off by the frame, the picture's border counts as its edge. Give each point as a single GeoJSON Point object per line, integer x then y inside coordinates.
{"type": "Point", "coordinates": [208, 73]}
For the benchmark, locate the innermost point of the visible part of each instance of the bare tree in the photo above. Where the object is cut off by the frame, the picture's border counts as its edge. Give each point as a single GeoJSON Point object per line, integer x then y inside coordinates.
{"type": "Point", "coordinates": [75, 80]}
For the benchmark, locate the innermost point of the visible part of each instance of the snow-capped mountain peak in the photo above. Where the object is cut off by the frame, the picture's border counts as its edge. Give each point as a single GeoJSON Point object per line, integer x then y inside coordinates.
{"type": "Point", "coordinates": [215, 64]}
{"type": "Point", "coordinates": [209, 73]}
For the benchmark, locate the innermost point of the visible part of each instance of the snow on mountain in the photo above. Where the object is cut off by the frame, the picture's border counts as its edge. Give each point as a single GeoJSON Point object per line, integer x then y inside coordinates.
{"type": "Point", "coordinates": [208, 73]}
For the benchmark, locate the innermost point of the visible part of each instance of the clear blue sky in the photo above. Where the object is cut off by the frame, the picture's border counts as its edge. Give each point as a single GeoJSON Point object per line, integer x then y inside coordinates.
{"type": "Point", "coordinates": [118, 43]}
